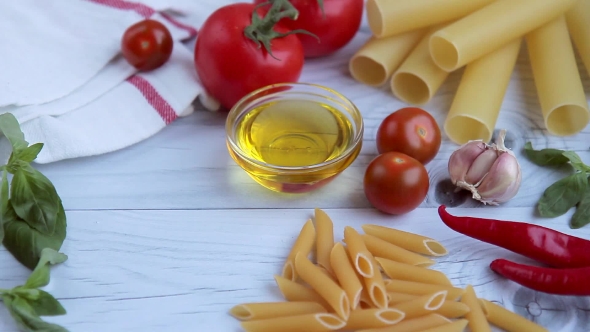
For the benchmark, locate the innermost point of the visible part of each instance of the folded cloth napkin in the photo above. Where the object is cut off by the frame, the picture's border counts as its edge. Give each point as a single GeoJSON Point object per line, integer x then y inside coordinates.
{"type": "Point", "coordinates": [93, 102]}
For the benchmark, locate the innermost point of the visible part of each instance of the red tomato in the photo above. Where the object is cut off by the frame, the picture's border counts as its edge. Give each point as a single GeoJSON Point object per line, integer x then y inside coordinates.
{"type": "Point", "coordinates": [339, 25]}
{"type": "Point", "coordinates": [395, 183]}
{"type": "Point", "coordinates": [230, 65]}
{"type": "Point", "coordinates": [147, 44]}
{"type": "Point", "coordinates": [412, 131]}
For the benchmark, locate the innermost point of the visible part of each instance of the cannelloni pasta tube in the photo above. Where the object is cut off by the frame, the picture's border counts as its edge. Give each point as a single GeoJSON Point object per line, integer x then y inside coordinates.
{"type": "Point", "coordinates": [578, 22]}
{"type": "Point", "coordinates": [409, 241]}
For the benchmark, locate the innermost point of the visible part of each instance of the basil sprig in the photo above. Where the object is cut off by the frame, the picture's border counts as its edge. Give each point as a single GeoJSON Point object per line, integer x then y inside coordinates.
{"type": "Point", "coordinates": [570, 191]}
{"type": "Point", "coordinates": [32, 228]}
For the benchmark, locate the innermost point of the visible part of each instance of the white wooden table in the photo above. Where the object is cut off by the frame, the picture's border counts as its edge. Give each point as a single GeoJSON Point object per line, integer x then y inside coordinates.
{"type": "Point", "coordinates": [169, 234]}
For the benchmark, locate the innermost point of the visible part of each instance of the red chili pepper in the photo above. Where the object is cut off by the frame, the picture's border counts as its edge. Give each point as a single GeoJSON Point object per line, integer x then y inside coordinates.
{"type": "Point", "coordinates": [571, 281]}
{"type": "Point", "coordinates": [533, 241]}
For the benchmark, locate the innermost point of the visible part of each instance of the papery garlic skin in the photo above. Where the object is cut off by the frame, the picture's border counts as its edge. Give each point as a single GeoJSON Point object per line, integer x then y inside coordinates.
{"type": "Point", "coordinates": [491, 172]}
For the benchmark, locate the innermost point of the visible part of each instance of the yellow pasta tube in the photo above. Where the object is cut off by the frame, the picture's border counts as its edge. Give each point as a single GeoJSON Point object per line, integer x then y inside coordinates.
{"type": "Point", "coordinates": [577, 22]}
{"type": "Point", "coordinates": [395, 297]}
{"type": "Point", "coordinates": [402, 271]}
{"type": "Point", "coordinates": [478, 99]}
{"type": "Point", "coordinates": [558, 82]}
{"type": "Point", "coordinates": [365, 300]}
{"type": "Point", "coordinates": [309, 322]}
{"type": "Point", "coordinates": [413, 325]}
{"type": "Point", "coordinates": [293, 291]}
{"type": "Point", "coordinates": [374, 63]}
{"type": "Point", "coordinates": [373, 318]}
{"type": "Point", "coordinates": [359, 254]}
{"type": "Point", "coordinates": [345, 273]}
{"type": "Point", "coordinates": [421, 305]}
{"type": "Point", "coordinates": [452, 309]}
{"type": "Point", "coordinates": [324, 238]}
{"type": "Point", "coordinates": [390, 17]}
{"type": "Point", "coordinates": [490, 27]}
{"type": "Point", "coordinates": [418, 78]}
{"type": "Point", "coordinates": [475, 316]}
{"type": "Point", "coordinates": [456, 326]}
{"type": "Point", "coordinates": [409, 241]}
{"type": "Point", "coordinates": [418, 288]}
{"type": "Point", "coordinates": [376, 289]}
{"type": "Point", "coordinates": [327, 288]}
{"type": "Point", "coordinates": [263, 310]}
{"type": "Point", "coordinates": [303, 244]}
{"type": "Point", "coordinates": [507, 320]}
{"type": "Point", "coordinates": [384, 249]}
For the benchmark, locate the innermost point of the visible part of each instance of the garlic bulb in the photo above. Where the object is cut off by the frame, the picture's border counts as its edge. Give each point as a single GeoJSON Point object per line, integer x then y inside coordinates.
{"type": "Point", "coordinates": [490, 172]}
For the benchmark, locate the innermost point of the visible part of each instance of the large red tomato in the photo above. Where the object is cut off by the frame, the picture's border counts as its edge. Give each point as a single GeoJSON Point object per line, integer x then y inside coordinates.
{"type": "Point", "coordinates": [335, 29]}
{"type": "Point", "coordinates": [230, 65]}
{"type": "Point", "coordinates": [412, 131]}
{"type": "Point", "coordinates": [395, 183]}
{"type": "Point", "coordinates": [147, 44]}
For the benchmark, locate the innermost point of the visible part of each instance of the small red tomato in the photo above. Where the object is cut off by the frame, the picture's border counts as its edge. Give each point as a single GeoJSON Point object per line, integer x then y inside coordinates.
{"type": "Point", "coordinates": [410, 130]}
{"type": "Point", "coordinates": [395, 183]}
{"type": "Point", "coordinates": [147, 44]}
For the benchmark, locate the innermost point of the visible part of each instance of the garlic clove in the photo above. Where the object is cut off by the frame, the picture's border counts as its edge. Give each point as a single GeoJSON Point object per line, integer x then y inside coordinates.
{"type": "Point", "coordinates": [481, 166]}
{"type": "Point", "coordinates": [502, 182]}
{"type": "Point", "coordinates": [461, 160]}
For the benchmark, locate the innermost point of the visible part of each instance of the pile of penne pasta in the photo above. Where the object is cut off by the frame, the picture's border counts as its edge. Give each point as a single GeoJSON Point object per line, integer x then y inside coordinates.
{"type": "Point", "coordinates": [416, 44]}
{"type": "Point", "coordinates": [376, 281]}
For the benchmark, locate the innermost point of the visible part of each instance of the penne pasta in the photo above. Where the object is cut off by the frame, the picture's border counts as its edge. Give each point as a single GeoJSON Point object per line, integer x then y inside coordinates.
{"type": "Point", "coordinates": [373, 318]}
{"type": "Point", "coordinates": [456, 326]}
{"type": "Point", "coordinates": [418, 288]}
{"type": "Point", "coordinates": [374, 63]}
{"type": "Point", "coordinates": [452, 309]}
{"type": "Point", "coordinates": [359, 254]}
{"type": "Point", "coordinates": [324, 238]}
{"type": "Point", "coordinates": [365, 300]}
{"type": "Point", "coordinates": [489, 28]}
{"type": "Point", "coordinates": [559, 86]}
{"type": "Point", "coordinates": [409, 241]}
{"type": "Point", "coordinates": [395, 297]}
{"type": "Point", "coordinates": [403, 271]}
{"type": "Point", "coordinates": [413, 325]}
{"type": "Point", "coordinates": [303, 244]}
{"type": "Point", "coordinates": [293, 291]}
{"type": "Point", "coordinates": [390, 17]}
{"type": "Point", "coordinates": [327, 288]}
{"type": "Point", "coordinates": [346, 274]}
{"type": "Point", "coordinates": [480, 94]}
{"type": "Point", "coordinates": [309, 322]}
{"type": "Point", "coordinates": [507, 320]}
{"type": "Point", "coordinates": [381, 248]}
{"type": "Point", "coordinates": [475, 316]}
{"type": "Point", "coordinates": [577, 22]}
{"type": "Point", "coordinates": [376, 289]}
{"type": "Point", "coordinates": [421, 305]}
{"type": "Point", "coordinates": [263, 310]}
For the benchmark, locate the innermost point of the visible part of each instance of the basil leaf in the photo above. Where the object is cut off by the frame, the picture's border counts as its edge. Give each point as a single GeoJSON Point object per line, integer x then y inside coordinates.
{"type": "Point", "coordinates": [545, 157]}
{"type": "Point", "coordinates": [8, 299]}
{"type": "Point", "coordinates": [562, 195]}
{"type": "Point", "coordinates": [581, 217]}
{"type": "Point", "coordinates": [30, 153]}
{"type": "Point", "coordinates": [26, 243]}
{"type": "Point", "coordinates": [47, 305]}
{"type": "Point", "coordinates": [40, 276]}
{"type": "Point", "coordinates": [576, 161]}
{"type": "Point", "coordinates": [11, 129]}
{"type": "Point", "coordinates": [34, 199]}
{"type": "Point", "coordinates": [3, 202]}
{"type": "Point", "coordinates": [26, 293]}
{"type": "Point", "coordinates": [30, 319]}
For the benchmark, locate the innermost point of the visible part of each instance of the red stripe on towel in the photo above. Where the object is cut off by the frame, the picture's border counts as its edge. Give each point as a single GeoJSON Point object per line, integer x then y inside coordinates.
{"type": "Point", "coordinates": [139, 8]}
{"type": "Point", "coordinates": [154, 98]}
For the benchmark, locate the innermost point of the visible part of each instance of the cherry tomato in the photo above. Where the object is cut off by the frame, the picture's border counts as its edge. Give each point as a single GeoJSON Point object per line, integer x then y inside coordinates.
{"type": "Point", "coordinates": [230, 65]}
{"type": "Point", "coordinates": [395, 183]}
{"type": "Point", "coordinates": [412, 131]}
{"type": "Point", "coordinates": [339, 25]}
{"type": "Point", "coordinates": [147, 44]}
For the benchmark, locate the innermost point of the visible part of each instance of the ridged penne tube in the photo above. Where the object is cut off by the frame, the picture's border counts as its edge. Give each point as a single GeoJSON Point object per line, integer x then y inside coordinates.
{"type": "Point", "coordinates": [557, 78]}
{"type": "Point", "coordinates": [327, 288]}
{"type": "Point", "coordinates": [373, 318]}
{"type": "Point", "coordinates": [508, 320]}
{"type": "Point", "coordinates": [413, 325]}
{"type": "Point", "coordinates": [390, 17]}
{"type": "Point", "coordinates": [293, 291]}
{"type": "Point", "coordinates": [303, 244]}
{"type": "Point", "coordinates": [376, 289]}
{"type": "Point", "coordinates": [452, 309]}
{"type": "Point", "coordinates": [490, 27]}
{"type": "Point", "coordinates": [577, 23]}
{"type": "Point", "coordinates": [387, 250]}
{"type": "Point", "coordinates": [410, 241]}
{"type": "Point", "coordinates": [374, 63]}
{"type": "Point", "coordinates": [418, 288]}
{"type": "Point", "coordinates": [403, 271]}
{"type": "Point", "coordinates": [324, 238]}
{"type": "Point", "coordinates": [421, 305]}
{"type": "Point", "coordinates": [359, 254]}
{"type": "Point", "coordinates": [395, 297]}
{"type": "Point", "coordinates": [365, 301]}
{"type": "Point", "coordinates": [456, 326]}
{"type": "Point", "coordinates": [476, 317]}
{"type": "Point", "coordinates": [263, 310]}
{"type": "Point", "coordinates": [477, 102]}
{"type": "Point", "coordinates": [309, 322]}
{"type": "Point", "coordinates": [346, 274]}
